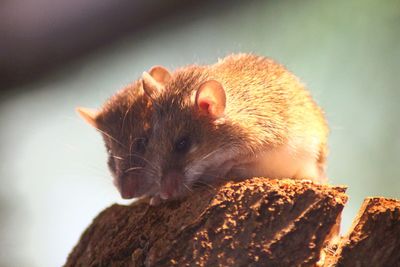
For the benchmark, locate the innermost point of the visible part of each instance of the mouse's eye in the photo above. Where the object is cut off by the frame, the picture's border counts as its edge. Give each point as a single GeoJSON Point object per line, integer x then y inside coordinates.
{"type": "Point", "coordinates": [140, 144]}
{"type": "Point", "coordinates": [182, 145]}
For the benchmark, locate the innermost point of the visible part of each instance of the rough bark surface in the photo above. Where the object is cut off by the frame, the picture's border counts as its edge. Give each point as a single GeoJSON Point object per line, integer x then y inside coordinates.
{"type": "Point", "coordinates": [257, 222]}
{"type": "Point", "coordinates": [374, 238]}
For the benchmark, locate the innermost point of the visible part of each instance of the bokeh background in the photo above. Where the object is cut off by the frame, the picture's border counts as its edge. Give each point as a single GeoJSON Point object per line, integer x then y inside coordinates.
{"type": "Point", "coordinates": [56, 55]}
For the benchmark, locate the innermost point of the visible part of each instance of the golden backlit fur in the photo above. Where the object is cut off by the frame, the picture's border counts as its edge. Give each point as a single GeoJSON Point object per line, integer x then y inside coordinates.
{"type": "Point", "coordinates": [269, 126]}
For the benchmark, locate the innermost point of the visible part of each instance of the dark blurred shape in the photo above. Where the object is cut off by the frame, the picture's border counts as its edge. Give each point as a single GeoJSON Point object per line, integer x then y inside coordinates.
{"type": "Point", "coordinates": [38, 35]}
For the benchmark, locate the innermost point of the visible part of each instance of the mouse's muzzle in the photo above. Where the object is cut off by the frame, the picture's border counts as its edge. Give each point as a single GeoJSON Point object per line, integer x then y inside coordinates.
{"type": "Point", "coordinates": [171, 184]}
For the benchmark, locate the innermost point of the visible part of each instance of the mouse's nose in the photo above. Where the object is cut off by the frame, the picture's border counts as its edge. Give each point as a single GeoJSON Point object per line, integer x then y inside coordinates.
{"type": "Point", "coordinates": [170, 184]}
{"type": "Point", "coordinates": [128, 187]}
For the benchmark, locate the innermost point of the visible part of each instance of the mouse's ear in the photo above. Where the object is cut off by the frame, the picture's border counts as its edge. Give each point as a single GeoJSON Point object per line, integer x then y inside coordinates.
{"type": "Point", "coordinates": [155, 80]}
{"type": "Point", "coordinates": [160, 74]}
{"type": "Point", "coordinates": [88, 115]}
{"type": "Point", "coordinates": [211, 99]}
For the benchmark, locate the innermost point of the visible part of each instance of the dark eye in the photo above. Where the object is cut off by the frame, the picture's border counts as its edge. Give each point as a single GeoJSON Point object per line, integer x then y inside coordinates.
{"type": "Point", "coordinates": [140, 144]}
{"type": "Point", "coordinates": [182, 145]}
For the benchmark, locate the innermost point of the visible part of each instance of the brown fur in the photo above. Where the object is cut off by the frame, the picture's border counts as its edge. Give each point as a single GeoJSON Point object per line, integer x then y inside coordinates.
{"type": "Point", "coordinates": [267, 110]}
{"type": "Point", "coordinates": [124, 120]}
{"type": "Point", "coordinates": [267, 107]}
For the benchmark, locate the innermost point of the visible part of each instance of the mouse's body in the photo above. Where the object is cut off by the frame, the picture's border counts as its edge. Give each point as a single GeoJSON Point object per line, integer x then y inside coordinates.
{"type": "Point", "coordinates": [285, 129]}
{"type": "Point", "coordinates": [242, 117]}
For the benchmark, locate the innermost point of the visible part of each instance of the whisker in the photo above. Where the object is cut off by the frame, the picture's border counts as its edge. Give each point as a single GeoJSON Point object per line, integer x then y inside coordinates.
{"type": "Point", "coordinates": [146, 160]}
{"type": "Point", "coordinates": [150, 171]}
{"type": "Point", "coordinates": [217, 150]}
{"type": "Point", "coordinates": [138, 138]}
{"type": "Point", "coordinates": [111, 137]}
{"type": "Point", "coordinates": [132, 169]}
{"type": "Point", "coordinates": [207, 174]}
{"type": "Point", "coordinates": [187, 187]}
{"type": "Point", "coordinates": [116, 157]}
{"type": "Point", "coordinates": [206, 184]}
{"type": "Point", "coordinates": [125, 115]}
{"type": "Point", "coordinates": [210, 154]}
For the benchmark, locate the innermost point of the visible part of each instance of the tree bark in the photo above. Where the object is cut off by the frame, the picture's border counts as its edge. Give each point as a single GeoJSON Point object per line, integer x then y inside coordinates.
{"type": "Point", "coordinates": [256, 222]}
{"type": "Point", "coordinates": [374, 238]}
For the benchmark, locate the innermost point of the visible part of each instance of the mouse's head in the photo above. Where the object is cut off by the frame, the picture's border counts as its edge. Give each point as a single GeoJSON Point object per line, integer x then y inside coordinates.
{"type": "Point", "coordinates": [124, 122]}
{"type": "Point", "coordinates": [189, 142]}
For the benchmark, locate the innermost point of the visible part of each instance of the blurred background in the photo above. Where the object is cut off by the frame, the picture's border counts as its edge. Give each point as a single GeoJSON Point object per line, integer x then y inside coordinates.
{"type": "Point", "coordinates": [56, 55]}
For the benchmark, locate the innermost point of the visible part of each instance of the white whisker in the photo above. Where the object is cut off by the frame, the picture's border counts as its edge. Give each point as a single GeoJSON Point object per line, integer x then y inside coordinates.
{"type": "Point", "coordinates": [132, 169]}
{"type": "Point", "coordinates": [210, 154]}
{"type": "Point", "coordinates": [111, 137]}
{"type": "Point", "coordinates": [187, 187]}
{"type": "Point", "coordinates": [146, 160]}
{"type": "Point", "coordinates": [116, 157]}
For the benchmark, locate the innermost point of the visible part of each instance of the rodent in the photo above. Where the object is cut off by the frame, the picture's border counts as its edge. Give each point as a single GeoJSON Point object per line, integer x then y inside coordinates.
{"type": "Point", "coordinates": [242, 117]}
{"type": "Point", "coordinates": [123, 122]}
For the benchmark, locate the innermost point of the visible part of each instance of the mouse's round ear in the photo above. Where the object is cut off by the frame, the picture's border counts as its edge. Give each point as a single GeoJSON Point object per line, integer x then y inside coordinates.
{"type": "Point", "coordinates": [155, 80]}
{"type": "Point", "coordinates": [88, 115]}
{"type": "Point", "coordinates": [211, 99]}
{"type": "Point", "coordinates": [160, 74]}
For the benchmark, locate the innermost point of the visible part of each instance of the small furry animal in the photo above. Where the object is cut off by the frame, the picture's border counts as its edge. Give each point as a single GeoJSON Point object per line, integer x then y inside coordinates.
{"type": "Point", "coordinates": [124, 123]}
{"type": "Point", "coordinates": [242, 117]}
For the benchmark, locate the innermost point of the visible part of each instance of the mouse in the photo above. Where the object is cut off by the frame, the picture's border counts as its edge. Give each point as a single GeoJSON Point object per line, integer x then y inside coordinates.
{"type": "Point", "coordinates": [244, 116]}
{"type": "Point", "coordinates": [123, 121]}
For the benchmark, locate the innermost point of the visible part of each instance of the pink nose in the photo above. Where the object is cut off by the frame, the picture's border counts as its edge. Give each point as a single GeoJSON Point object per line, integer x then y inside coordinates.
{"type": "Point", "coordinates": [170, 184]}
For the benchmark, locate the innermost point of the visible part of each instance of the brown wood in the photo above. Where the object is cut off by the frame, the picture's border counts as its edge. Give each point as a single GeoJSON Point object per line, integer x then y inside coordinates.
{"type": "Point", "coordinates": [257, 222]}
{"type": "Point", "coordinates": [374, 238]}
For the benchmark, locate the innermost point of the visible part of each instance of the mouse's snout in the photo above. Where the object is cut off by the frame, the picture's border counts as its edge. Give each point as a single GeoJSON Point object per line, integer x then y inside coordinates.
{"type": "Point", "coordinates": [171, 183]}
{"type": "Point", "coordinates": [131, 186]}
{"type": "Point", "coordinates": [128, 187]}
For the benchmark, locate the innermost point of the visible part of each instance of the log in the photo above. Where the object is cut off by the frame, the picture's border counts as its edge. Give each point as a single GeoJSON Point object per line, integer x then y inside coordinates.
{"type": "Point", "coordinates": [374, 237]}
{"type": "Point", "coordinates": [256, 222]}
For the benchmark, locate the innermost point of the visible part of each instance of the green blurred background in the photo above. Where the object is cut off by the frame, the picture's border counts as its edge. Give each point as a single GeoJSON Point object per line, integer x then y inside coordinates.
{"type": "Point", "coordinates": [53, 172]}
